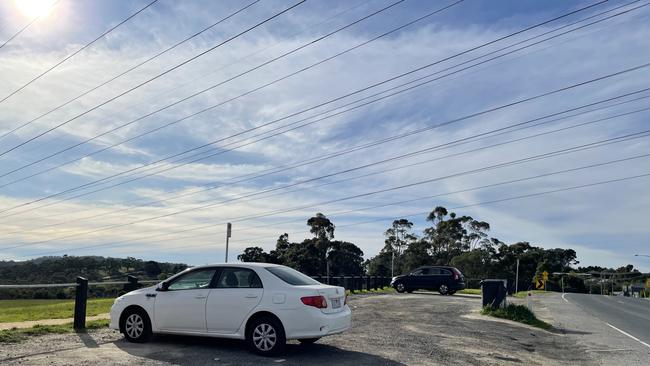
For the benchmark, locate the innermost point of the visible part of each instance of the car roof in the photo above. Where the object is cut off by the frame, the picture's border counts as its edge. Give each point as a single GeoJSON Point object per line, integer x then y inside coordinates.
{"type": "Point", "coordinates": [237, 264]}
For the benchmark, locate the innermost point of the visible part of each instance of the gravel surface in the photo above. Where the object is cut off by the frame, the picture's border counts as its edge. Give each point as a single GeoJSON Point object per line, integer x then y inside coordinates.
{"type": "Point", "coordinates": [416, 329]}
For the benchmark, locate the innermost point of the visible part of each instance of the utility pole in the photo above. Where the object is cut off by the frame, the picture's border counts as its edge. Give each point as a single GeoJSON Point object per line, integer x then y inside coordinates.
{"type": "Point", "coordinates": [517, 278]}
{"type": "Point", "coordinates": [228, 234]}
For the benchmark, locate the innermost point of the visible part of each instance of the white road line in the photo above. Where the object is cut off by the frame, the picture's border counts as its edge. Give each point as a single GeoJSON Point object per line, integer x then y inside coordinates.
{"type": "Point", "coordinates": [564, 298]}
{"type": "Point", "coordinates": [629, 335]}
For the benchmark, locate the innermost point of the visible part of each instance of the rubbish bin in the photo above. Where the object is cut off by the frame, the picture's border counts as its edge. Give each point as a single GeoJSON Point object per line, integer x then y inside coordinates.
{"type": "Point", "coordinates": [494, 293]}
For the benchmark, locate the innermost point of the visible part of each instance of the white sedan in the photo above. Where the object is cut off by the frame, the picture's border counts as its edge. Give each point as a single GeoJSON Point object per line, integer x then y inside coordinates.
{"type": "Point", "coordinates": [265, 304]}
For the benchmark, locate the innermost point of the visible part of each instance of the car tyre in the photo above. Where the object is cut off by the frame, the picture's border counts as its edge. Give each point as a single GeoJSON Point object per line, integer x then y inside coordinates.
{"type": "Point", "coordinates": [136, 326]}
{"type": "Point", "coordinates": [443, 289]}
{"type": "Point", "coordinates": [400, 287]}
{"type": "Point", "coordinates": [265, 336]}
{"type": "Point", "coordinates": [308, 341]}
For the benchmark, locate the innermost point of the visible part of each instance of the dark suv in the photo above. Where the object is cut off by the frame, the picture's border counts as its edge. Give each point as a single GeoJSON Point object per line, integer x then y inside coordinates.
{"type": "Point", "coordinates": [446, 280]}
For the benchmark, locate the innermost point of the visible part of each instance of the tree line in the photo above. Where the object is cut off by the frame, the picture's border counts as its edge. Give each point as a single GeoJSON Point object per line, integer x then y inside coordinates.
{"type": "Point", "coordinates": [65, 269]}
{"type": "Point", "coordinates": [450, 239]}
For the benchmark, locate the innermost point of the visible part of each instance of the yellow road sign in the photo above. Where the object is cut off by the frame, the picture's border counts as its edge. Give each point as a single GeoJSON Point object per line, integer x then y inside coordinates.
{"type": "Point", "coordinates": [539, 284]}
{"type": "Point", "coordinates": [545, 276]}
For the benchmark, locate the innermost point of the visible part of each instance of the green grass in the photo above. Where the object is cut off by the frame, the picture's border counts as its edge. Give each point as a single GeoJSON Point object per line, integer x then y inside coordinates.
{"type": "Point", "coordinates": [385, 290]}
{"type": "Point", "coordinates": [470, 291]}
{"type": "Point", "coordinates": [518, 313]}
{"type": "Point", "coordinates": [17, 335]}
{"type": "Point", "coordinates": [523, 294]}
{"type": "Point", "coordinates": [25, 310]}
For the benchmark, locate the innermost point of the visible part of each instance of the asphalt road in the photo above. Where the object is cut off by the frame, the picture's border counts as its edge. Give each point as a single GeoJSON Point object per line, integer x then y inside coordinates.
{"type": "Point", "coordinates": [610, 330]}
{"type": "Point", "coordinates": [630, 316]}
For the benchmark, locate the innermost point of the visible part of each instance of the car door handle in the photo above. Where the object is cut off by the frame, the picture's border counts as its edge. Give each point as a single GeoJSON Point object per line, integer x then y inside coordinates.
{"type": "Point", "coordinates": [200, 297]}
{"type": "Point", "coordinates": [251, 296]}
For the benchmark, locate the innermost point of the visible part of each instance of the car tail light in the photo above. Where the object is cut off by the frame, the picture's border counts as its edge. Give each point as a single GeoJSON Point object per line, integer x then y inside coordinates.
{"type": "Point", "coordinates": [456, 274]}
{"type": "Point", "coordinates": [315, 301]}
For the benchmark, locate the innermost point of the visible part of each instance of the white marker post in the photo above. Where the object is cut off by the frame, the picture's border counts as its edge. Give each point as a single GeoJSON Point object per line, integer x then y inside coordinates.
{"type": "Point", "coordinates": [228, 233]}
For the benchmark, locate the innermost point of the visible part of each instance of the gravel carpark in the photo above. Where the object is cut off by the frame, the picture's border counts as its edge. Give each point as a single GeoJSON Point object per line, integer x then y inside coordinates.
{"type": "Point", "coordinates": [415, 329]}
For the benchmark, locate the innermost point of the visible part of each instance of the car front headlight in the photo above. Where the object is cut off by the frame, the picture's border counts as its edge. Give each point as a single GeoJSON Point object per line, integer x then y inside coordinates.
{"type": "Point", "coordinates": [118, 300]}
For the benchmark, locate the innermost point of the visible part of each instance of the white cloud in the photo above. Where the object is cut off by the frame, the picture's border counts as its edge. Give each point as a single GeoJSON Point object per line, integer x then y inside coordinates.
{"type": "Point", "coordinates": [554, 220]}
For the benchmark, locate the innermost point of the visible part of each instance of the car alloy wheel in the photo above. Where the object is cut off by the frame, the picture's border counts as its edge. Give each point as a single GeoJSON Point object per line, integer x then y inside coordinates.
{"type": "Point", "coordinates": [264, 337]}
{"type": "Point", "coordinates": [134, 326]}
{"type": "Point", "coordinates": [443, 289]}
{"type": "Point", "coordinates": [400, 287]}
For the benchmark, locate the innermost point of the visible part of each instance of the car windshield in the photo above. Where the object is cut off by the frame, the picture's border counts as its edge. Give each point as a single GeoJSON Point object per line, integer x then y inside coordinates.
{"type": "Point", "coordinates": [291, 276]}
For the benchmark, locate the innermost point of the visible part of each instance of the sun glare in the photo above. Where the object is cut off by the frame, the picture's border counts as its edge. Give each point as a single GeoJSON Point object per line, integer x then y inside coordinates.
{"type": "Point", "coordinates": [34, 8]}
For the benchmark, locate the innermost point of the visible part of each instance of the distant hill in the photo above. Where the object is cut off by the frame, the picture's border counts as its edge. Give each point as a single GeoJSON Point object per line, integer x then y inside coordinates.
{"type": "Point", "coordinates": [66, 269]}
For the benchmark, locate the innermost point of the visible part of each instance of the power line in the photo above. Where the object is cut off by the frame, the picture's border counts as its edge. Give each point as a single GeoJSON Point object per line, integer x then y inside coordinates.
{"type": "Point", "coordinates": [151, 79]}
{"type": "Point", "coordinates": [75, 53]}
{"type": "Point", "coordinates": [483, 203]}
{"type": "Point", "coordinates": [228, 80]}
{"type": "Point", "coordinates": [296, 113]}
{"type": "Point", "coordinates": [457, 142]}
{"type": "Point", "coordinates": [559, 152]}
{"type": "Point", "coordinates": [489, 110]}
{"type": "Point", "coordinates": [519, 180]}
{"type": "Point", "coordinates": [21, 30]}
{"type": "Point", "coordinates": [128, 70]}
{"type": "Point", "coordinates": [203, 76]}
{"type": "Point", "coordinates": [278, 169]}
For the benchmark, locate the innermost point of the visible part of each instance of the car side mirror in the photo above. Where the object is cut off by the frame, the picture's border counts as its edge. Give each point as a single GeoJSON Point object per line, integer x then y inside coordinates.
{"type": "Point", "coordinates": [163, 287]}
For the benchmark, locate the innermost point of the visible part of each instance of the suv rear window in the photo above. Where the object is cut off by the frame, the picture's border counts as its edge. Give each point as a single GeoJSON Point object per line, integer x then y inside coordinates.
{"type": "Point", "coordinates": [291, 276]}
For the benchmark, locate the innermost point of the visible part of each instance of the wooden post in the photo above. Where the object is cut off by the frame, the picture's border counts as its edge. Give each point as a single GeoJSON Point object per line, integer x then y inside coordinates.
{"type": "Point", "coordinates": [80, 300]}
{"type": "Point", "coordinates": [368, 283]}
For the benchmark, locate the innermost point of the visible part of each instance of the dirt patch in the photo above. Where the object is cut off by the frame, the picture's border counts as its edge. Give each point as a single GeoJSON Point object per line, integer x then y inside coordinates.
{"type": "Point", "coordinates": [416, 329]}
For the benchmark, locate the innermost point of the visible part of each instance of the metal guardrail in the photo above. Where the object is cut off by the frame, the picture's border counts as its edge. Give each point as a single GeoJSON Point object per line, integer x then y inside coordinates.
{"type": "Point", "coordinates": [81, 293]}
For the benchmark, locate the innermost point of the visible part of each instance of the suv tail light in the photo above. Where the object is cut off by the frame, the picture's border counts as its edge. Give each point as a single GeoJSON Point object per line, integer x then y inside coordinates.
{"type": "Point", "coordinates": [456, 274]}
{"type": "Point", "coordinates": [315, 301]}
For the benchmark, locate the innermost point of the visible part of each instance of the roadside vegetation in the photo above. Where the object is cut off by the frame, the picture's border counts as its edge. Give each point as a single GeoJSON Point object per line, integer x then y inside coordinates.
{"type": "Point", "coordinates": [25, 310]}
{"type": "Point", "coordinates": [384, 290]}
{"type": "Point", "coordinates": [470, 291]}
{"type": "Point", "coordinates": [15, 335]}
{"type": "Point", "coordinates": [518, 313]}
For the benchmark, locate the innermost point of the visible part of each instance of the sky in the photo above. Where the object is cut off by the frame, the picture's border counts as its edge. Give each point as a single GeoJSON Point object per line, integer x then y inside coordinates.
{"type": "Point", "coordinates": [366, 111]}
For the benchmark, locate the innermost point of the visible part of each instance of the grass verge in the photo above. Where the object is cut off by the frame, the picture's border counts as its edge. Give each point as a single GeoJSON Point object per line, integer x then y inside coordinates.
{"type": "Point", "coordinates": [470, 291]}
{"type": "Point", "coordinates": [384, 290]}
{"type": "Point", "coordinates": [25, 310]}
{"type": "Point", "coordinates": [518, 313]}
{"type": "Point", "coordinates": [20, 334]}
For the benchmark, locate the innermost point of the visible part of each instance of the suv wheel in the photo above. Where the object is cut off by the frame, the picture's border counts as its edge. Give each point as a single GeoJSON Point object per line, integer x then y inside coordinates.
{"type": "Point", "coordinates": [136, 326]}
{"type": "Point", "coordinates": [265, 336]}
{"type": "Point", "coordinates": [444, 290]}
{"type": "Point", "coordinates": [400, 287]}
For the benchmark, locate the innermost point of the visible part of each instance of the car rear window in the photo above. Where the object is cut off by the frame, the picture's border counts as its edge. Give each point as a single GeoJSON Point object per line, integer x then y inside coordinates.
{"type": "Point", "coordinates": [292, 277]}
